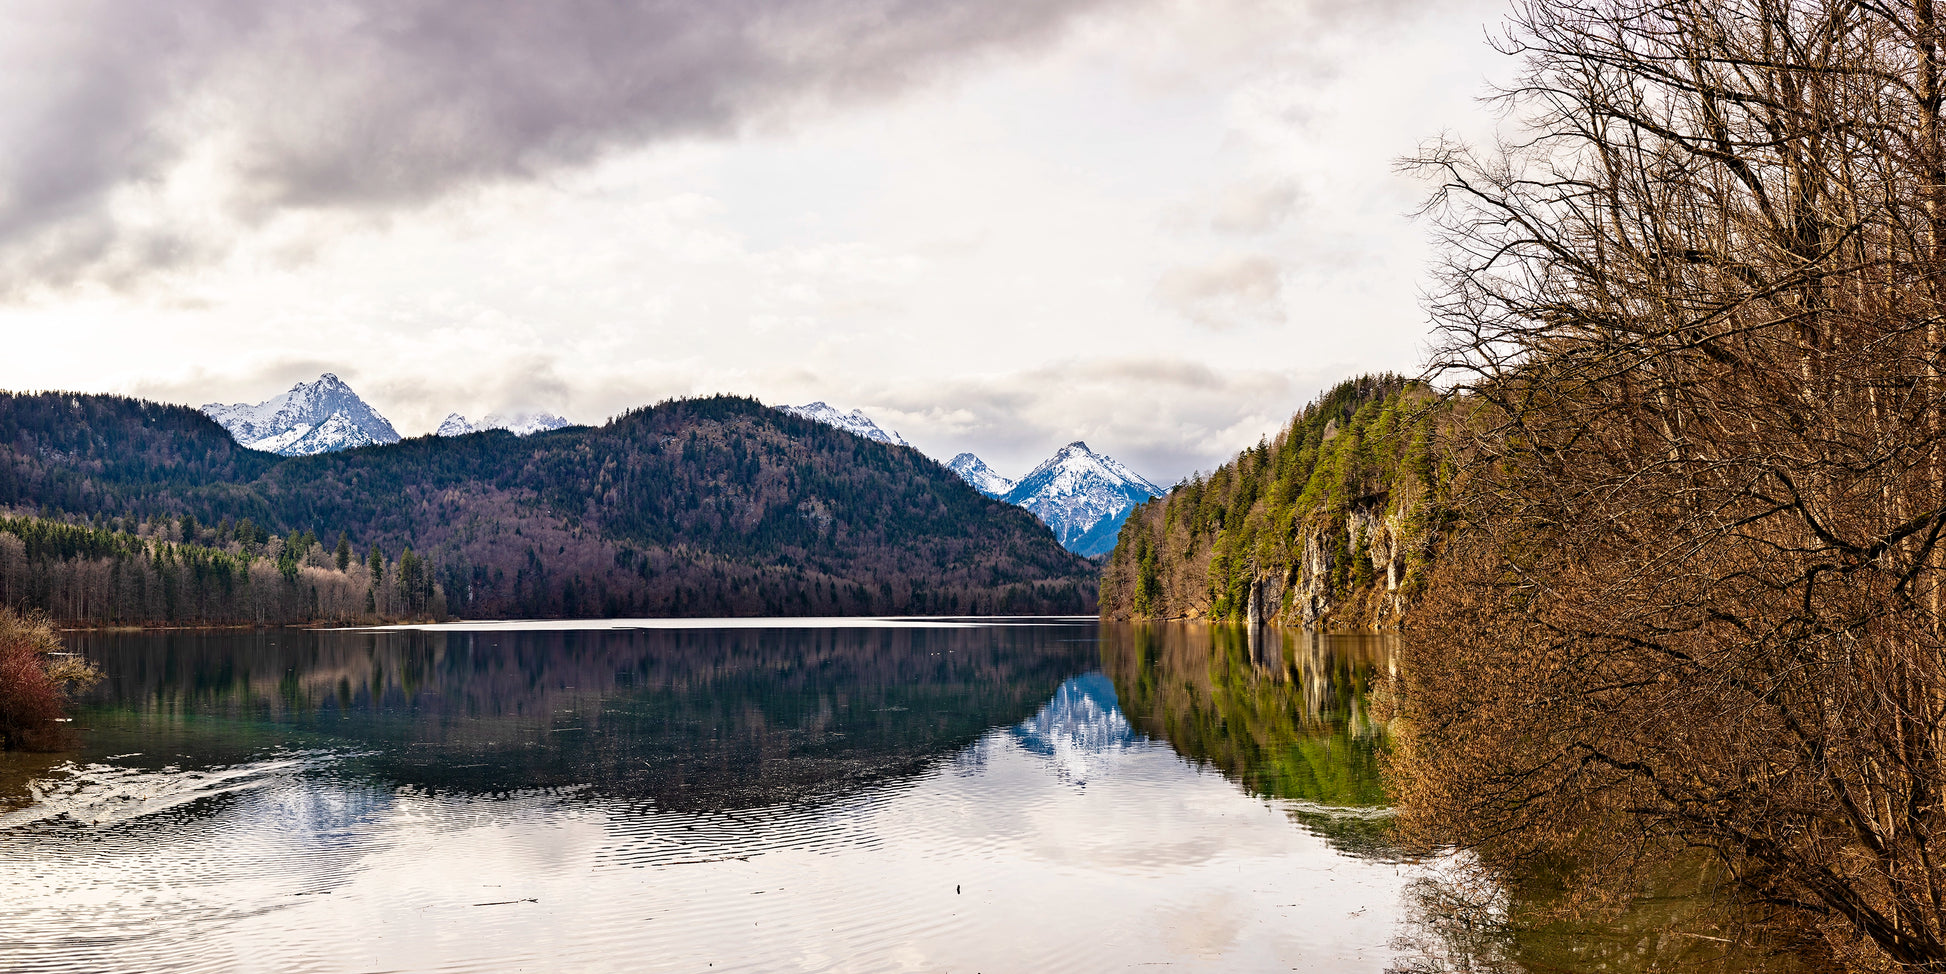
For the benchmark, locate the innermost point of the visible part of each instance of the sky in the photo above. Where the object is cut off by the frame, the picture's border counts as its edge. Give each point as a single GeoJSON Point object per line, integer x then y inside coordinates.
{"type": "Point", "coordinates": [998, 226]}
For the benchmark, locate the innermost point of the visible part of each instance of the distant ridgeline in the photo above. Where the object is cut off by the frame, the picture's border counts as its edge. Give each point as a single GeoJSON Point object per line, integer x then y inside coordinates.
{"type": "Point", "coordinates": [1328, 525]}
{"type": "Point", "coordinates": [134, 511]}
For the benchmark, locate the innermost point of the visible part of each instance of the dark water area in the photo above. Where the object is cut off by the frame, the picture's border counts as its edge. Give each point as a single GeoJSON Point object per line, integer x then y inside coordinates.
{"type": "Point", "coordinates": [855, 795]}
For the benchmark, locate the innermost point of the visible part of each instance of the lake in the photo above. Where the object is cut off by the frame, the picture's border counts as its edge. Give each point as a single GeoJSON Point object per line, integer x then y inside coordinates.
{"type": "Point", "coordinates": [761, 795]}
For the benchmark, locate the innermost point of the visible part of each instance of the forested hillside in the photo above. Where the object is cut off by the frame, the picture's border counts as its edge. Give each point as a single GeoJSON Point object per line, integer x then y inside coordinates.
{"type": "Point", "coordinates": [130, 571]}
{"type": "Point", "coordinates": [1329, 524]}
{"type": "Point", "coordinates": [693, 507]}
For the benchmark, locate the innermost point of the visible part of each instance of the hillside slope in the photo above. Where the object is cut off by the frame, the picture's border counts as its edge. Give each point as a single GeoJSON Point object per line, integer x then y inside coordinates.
{"type": "Point", "coordinates": [1329, 525]}
{"type": "Point", "coordinates": [692, 507]}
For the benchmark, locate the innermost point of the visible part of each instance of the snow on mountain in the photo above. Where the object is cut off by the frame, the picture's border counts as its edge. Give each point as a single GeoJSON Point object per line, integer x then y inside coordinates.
{"type": "Point", "coordinates": [975, 471]}
{"type": "Point", "coordinates": [519, 424]}
{"type": "Point", "coordinates": [1076, 489]}
{"type": "Point", "coordinates": [454, 425]}
{"type": "Point", "coordinates": [852, 422]}
{"type": "Point", "coordinates": [523, 423]}
{"type": "Point", "coordinates": [313, 417]}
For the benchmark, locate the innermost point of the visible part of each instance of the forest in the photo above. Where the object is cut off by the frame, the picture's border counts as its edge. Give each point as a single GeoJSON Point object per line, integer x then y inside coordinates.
{"type": "Point", "coordinates": [134, 572]}
{"type": "Point", "coordinates": [130, 511]}
{"type": "Point", "coordinates": [1329, 524]}
{"type": "Point", "coordinates": [1672, 511]}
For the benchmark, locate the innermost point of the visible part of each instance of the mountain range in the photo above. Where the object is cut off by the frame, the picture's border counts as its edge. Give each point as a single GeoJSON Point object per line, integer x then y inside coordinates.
{"type": "Point", "coordinates": [519, 424]}
{"type": "Point", "coordinates": [326, 416]}
{"type": "Point", "coordinates": [975, 471]}
{"type": "Point", "coordinates": [852, 422]}
{"type": "Point", "coordinates": [697, 507]}
{"type": "Point", "coordinates": [1081, 495]}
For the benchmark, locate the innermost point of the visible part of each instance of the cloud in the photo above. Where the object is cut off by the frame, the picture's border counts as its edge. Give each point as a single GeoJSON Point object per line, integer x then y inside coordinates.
{"type": "Point", "coordinates": [128, 123]}
{"type": "Point", "coordinates": [1225, 293]}
{"type": "Point", "coordinates": [247, 383]}
{"type": "Point", "coordinates": [1254, 207]}
{"type": "Point", "coordinates": [1164, 417]}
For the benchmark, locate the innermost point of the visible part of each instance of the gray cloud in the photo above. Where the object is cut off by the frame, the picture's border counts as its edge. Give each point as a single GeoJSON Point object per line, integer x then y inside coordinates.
{"type": "Point", "coordinates": [377, 104]}
{"type": "Point", "coordinates": [1164, 417]}
{"type": "Point", "coordinates": [250, 383]}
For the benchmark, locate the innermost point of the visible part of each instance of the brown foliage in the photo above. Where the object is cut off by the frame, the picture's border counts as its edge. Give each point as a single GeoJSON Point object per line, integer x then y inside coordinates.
{"type": "Point", "coordinates": [34, 679]}
{"type": "Point", "coordinates": [1697, 321]}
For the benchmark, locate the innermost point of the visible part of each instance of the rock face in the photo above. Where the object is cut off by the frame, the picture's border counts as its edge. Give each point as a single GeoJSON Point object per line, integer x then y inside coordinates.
{"type": "Point", "coordinates": [853, 422]}
{"type": "Point", "coordinates": [1076, 489]}
{"type": "Point", "coordinates": [975, 471]}
{"type": "Point", "coordinates": [1380, 543]}
{"type": "Point", "coordinates": [1331, 524]}
{"type": "Point", "coordinates": [313, 417]}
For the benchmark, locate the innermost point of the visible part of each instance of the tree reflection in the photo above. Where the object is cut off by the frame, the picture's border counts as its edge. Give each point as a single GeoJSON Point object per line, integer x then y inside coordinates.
{"type": "Point", "coordinates": [1284, 714]}
{"type": "Point", "coordinates": [683, 718]}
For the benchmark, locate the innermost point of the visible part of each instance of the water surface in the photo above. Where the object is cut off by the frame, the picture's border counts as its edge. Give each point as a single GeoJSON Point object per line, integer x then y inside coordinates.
{"type": "Point", "coordinates": [976, 795]}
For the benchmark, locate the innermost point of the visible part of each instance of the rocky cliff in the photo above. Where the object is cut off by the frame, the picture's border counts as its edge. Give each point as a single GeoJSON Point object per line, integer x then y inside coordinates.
{"type": "Point", "coordinates": [1329, 525]}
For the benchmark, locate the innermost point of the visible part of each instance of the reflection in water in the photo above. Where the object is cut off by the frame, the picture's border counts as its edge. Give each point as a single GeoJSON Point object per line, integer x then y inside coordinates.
{"type": "Point", "coordinates": [684, 718]}
{"type": "Point", "coordinates": [1081, 730]}
{"type": "Point", "coordinates": [812, 799]}
{"type": "Point", "coordinates": [1284, 714]}
{"type": "Point", "coordinates": [996, 797]}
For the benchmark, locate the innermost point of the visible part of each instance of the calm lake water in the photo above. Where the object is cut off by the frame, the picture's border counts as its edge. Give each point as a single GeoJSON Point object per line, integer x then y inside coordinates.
{"type": "Point", "coordinates": [868, 795]}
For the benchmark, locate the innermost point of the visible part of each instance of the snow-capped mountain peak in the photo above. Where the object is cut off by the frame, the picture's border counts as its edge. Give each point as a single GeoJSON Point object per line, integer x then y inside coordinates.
{"type": "Point", "coordinates": [519, 424]}
{"type": "Point", "coordinates": [524, 423]}
{"type": "Point", "coordinates": [852, 422]}
{"type": "Point", "coordinates": [975, 471]}
{"type": "Point", "coordinates": [454, 425]}
{"type": "Point", "coordinates": [1083, 496]}
{"type": "Point", "coordinates": [313, 417]}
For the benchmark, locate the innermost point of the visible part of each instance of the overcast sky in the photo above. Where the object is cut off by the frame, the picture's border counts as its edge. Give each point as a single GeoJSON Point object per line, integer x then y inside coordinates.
{"type": "Point", "coordinates": [1159, 226]}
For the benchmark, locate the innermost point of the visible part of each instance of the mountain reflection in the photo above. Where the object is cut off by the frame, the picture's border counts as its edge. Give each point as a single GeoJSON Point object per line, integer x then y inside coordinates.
{"type": "Point", "coordinates": [1079, 729]}
{"type": "Point", "coordinates": [684, 718]}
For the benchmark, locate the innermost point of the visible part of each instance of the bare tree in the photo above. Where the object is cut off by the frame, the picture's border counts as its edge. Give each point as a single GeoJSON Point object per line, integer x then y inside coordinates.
{"type": "Point", "coordinates": [1693, 316]}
